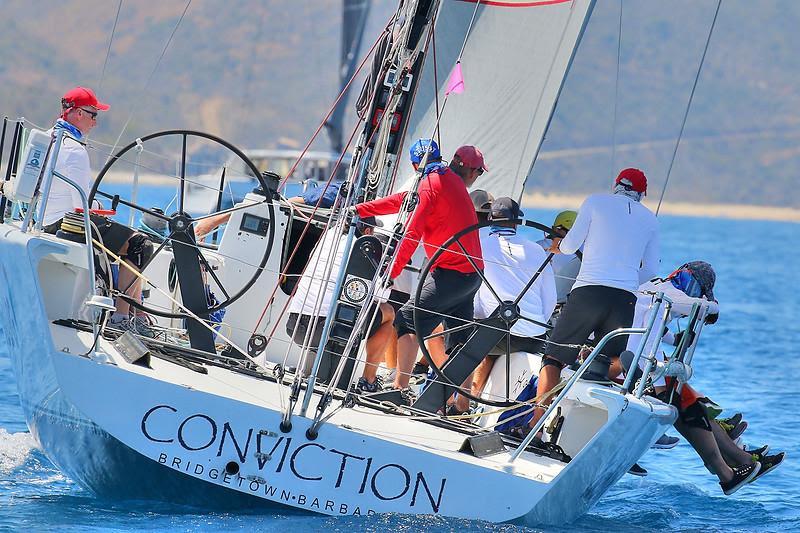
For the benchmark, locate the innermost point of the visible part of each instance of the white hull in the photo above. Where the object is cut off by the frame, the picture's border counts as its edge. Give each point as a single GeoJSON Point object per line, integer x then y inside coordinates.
{"type": "Point", "coordinates": [169, 432]}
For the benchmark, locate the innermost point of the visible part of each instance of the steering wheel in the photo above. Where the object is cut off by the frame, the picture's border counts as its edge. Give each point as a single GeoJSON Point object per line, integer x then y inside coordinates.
{"type": "Point", "coordinates": [179, 223]}
{"type": "Point", "coordinates": [504, 316]}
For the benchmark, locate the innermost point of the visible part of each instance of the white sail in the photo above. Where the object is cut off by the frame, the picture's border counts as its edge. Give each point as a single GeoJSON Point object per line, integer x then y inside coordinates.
{"type": "Point", "coordinates": [514, 63]}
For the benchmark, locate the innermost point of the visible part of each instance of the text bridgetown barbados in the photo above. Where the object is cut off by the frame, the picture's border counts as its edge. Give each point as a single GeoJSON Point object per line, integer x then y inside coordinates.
{"type": "Point", "coordinates": [296, 471]}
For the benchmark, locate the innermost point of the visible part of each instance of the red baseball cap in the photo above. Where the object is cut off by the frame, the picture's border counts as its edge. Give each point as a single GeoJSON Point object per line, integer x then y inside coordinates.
{"type": "Point", "coordinates": [471, 157]}
{"type": "Point", "coordinates": [632, 178]}
{"type": "Point", "coordinates": [82, 96]}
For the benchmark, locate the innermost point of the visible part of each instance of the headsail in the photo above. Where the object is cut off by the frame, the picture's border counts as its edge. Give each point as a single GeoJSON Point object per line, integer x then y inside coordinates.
{"type": "Point", "coordinates": [514, 63]}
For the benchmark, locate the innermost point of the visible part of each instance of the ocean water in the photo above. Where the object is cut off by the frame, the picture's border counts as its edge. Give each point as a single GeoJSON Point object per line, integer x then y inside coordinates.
{"type": "Point", "coordinates": [749, 361]}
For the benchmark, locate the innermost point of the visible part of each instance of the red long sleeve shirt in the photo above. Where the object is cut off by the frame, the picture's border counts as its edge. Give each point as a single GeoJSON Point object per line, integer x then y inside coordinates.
{"type": "Point", "coordinates": [444, 209]}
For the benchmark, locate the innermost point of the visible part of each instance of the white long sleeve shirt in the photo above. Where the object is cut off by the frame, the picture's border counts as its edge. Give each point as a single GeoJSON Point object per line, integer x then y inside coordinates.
{"type": "Point", "coordinates": [681, 307]}
{"type": "Point", "coordinates": [565, 270]}
{"type": "Point", "coordinates": [620, 242]}
{"type": "Point", "coordinates": [72, 162]}
{"type": "Point", "coordinates": [509, 263]}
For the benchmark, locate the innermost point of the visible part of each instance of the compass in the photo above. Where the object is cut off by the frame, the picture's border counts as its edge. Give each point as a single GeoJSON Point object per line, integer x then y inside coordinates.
{"type": "Point", "coordinates": [355, 290]}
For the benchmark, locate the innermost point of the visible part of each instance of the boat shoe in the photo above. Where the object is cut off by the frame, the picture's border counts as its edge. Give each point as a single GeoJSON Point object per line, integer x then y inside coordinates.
{"type": "Point", "coordinates": [768, 463]}
{"type": "Point", "coordinates": [742, 475]}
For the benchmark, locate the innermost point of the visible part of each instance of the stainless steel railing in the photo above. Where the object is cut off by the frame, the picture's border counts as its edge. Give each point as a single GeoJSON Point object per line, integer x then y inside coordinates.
{"type": "Point", "coordinates": [645, 332]}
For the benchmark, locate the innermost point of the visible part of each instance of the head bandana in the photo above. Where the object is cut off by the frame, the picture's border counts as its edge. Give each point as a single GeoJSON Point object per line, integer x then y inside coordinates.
{"type": "Point", "coordinates": [62, 124]}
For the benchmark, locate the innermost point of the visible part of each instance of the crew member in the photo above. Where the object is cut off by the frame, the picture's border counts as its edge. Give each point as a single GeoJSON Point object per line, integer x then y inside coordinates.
{"type": "Point", "coordinates": [565, 266]}
{"type": "Point", "coordinates": [306, 313]}
{"type": "Point", "coordinates": [690, 284]}
{"type": "Point", "coordinates": [444, 208]}
{"type": "Point", "coordinates": [620, 243]}
{"type": "Point", "coordinates": [510, 262]}
{"type": "Point", "coordinates": [405, 283]}
{"type": "Point", "coordinates": [79, 110]}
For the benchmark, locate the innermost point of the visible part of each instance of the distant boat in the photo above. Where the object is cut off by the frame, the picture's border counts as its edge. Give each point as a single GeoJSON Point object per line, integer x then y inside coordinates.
{"type": "Point", "coordinates": [207, 193]}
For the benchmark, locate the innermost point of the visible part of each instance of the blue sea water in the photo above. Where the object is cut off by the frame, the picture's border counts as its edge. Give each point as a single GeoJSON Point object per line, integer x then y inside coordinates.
{"type": "Point", "coordinates": [749, 361]}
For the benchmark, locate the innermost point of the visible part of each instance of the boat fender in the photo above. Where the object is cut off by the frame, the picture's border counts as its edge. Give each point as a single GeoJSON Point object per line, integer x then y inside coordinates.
{"type": "Point", "coordinates": [22, 188]}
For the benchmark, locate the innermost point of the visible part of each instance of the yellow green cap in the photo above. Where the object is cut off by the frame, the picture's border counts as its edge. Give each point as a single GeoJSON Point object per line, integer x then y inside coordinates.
{"type": "Point", "coordinates": [565, 219]}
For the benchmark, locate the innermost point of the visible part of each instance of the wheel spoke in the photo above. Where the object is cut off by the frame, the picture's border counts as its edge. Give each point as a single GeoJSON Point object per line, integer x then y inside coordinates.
{"type": "Point", "coordinates": [448, 331]}
{"type": "Point", "coordinates": [534, 278]}
{"type": "Point", "coordinates": [181, 195]}
{"type": "Point", "coordinates": [219, 202]}
{"type": "Point", "coordinates": [532, 321]}
{"type": "Point", "coordinates": [508, 365]}
{"type": "Point", "coordinates": [213, 275]}
{"type": "Point", "coordinates": [480, 272]}
{"type": "Point", "coordinates": [135, 206]}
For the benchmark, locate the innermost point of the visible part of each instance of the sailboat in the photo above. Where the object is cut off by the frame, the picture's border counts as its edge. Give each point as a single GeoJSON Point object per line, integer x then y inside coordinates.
{"type": "Point", "coordinates": [236, 411]}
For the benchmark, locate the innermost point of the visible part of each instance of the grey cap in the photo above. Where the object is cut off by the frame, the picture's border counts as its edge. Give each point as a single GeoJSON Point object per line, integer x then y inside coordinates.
{"type": "Point", "coordinates": [482, 200]}
{"type": "Point", "coordinates": [505, 208]}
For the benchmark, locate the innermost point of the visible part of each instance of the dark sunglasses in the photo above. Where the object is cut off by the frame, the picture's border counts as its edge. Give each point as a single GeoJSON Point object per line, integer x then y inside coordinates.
{"type": "Point", "coordinates": [89, 112]}
{"type": "Point", "coordinates": [480, 171]}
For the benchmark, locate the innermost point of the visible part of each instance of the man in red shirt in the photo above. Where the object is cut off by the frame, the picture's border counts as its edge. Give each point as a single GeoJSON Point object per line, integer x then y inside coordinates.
{"type": "Point", "coordinates": [443, 210]}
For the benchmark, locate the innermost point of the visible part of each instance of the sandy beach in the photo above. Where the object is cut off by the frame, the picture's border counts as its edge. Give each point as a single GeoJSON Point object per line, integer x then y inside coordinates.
{"type": "Point", "coordinates": [738, 211]}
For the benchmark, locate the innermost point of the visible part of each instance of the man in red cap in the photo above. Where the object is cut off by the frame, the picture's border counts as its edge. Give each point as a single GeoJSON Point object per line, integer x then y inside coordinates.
{"type": "Point", "coordinates": [79, 110]}
{"type": "Point", "coordinates": [444, 209]}
{"type": "Point", "coordinates": [620, 244]}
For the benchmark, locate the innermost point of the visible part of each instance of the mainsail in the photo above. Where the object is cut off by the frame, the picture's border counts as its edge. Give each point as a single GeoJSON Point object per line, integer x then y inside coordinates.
{"type": "Point", "coordinates": [516, 55]}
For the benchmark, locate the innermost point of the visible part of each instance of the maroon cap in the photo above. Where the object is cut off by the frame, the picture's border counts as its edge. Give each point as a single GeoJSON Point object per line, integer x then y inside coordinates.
{"type": "Point", "coordinates": [471, 157]}
{"type": "Point", "coordinates": [632, 178]}
{"type": "Point", "coordinates": [82, 96]}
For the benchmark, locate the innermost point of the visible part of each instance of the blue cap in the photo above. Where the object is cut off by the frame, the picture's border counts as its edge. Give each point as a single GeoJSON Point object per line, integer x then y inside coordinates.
{"type": "Point", "coordinates": [420, 147]}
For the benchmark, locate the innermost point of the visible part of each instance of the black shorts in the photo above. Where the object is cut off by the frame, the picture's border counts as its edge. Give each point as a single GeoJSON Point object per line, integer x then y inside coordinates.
{"type": "Point", "coordinates": [297, 326]}
{"type": "Point", "coordinates": [591, 309]}
{"type": "Point", "coordinates": [446, 296]}
{"type": "Point", "coordinates": [114, 235]}
{"type": "Point", "coordinates": [518, 344]}
{"type": "Point", "coordinates": [397, 299]}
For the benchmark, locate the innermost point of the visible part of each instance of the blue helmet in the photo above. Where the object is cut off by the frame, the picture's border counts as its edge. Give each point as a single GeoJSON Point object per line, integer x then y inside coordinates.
{"type": "Point", "coordinates": [420, 147]}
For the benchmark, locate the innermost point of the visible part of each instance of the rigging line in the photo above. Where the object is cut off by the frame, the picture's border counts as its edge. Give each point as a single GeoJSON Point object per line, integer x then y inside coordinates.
{"type": "Point", "coordinates": [435, 77]}
{"type": "Point", "coordinates": [616, 96]}
{"type": "Point", "coordinates": [305, 230]}
{"type": "Point", "coordinates": [330, 111]}
{"type": "Point", "coordinates": [152, 74]}
{"type": "Point", "coordinates": [469, 31]}
{"type": "Point", "coordinates": [688, 106]}
{"type": "Point", "coordinates": [108, 51]}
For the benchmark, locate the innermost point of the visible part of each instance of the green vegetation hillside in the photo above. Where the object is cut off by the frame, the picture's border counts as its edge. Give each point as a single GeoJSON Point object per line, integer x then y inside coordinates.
{"type": "Point", "coordinates": [262, 73]}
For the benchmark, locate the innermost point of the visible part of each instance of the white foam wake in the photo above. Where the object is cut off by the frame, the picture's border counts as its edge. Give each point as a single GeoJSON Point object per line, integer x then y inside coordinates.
{"type": "Point", "coordinates": [14, 449]}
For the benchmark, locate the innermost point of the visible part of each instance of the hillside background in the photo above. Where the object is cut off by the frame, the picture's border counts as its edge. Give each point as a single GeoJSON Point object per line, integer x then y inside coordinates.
{"type": "Point", "coordinates": [262, 73]}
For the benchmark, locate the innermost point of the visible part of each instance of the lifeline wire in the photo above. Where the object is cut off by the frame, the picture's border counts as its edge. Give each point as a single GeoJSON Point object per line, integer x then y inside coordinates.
{"type": "Point", "coordinates": [108, 51]}
{"type": "Point", "coordinates": [688, 106]}
{"type": "Point", "coordinates": [616, 96]}
{"type": "Point", "coordinates": [152, 73]}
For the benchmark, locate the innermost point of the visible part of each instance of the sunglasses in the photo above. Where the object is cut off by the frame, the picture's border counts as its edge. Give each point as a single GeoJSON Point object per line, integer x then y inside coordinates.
{"type": "Point", "coordinates": [89, 112]}
{"type": "Point", "coordinates": [480, 171]}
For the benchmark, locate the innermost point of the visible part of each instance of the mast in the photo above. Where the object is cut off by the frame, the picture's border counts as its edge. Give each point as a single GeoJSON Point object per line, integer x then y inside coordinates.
{"type": "Point", "coordinates": [354, 20]}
